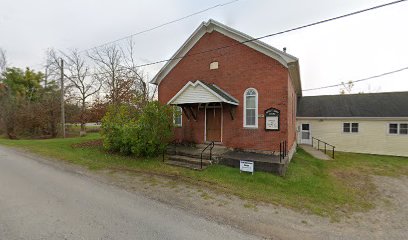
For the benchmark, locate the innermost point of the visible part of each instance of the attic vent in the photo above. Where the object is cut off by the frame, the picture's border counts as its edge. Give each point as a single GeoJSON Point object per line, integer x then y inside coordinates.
{"type": "Point", "coordinates": [213, 65]}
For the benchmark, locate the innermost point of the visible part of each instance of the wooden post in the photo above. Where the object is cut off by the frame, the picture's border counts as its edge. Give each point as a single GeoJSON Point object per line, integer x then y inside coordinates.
{"type": "Point", "coordinates": [62, 99]}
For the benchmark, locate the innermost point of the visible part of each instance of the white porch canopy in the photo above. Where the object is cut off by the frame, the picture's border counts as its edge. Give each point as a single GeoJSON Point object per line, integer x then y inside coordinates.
{"type": "Point", "coordinates": [201, 92]}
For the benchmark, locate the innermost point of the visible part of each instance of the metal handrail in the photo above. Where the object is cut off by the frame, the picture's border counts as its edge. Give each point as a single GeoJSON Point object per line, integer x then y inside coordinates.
{"type": "Point", "coordinates": [283, 150]}
{"type": "Point", "coordinates": [325, 146]}
{"type": "Point", "coordinates": [212, 146]}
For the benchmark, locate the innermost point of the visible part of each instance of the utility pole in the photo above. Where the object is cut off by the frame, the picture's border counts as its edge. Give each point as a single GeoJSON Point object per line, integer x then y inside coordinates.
{"type": "Point", "coordinates": [62, 99]}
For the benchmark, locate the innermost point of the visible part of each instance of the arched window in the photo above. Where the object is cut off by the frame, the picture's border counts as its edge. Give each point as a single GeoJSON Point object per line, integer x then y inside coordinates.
{"type": "Point", "coordinates": [251, 108]}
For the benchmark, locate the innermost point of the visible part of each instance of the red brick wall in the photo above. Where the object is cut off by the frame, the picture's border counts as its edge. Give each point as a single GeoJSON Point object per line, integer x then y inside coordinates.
{"type": "Point", "coordinates": [240, 67]}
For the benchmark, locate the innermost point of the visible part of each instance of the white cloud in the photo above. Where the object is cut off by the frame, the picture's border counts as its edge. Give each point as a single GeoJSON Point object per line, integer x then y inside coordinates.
{"type": "Point", "coordinates": [343, 50]}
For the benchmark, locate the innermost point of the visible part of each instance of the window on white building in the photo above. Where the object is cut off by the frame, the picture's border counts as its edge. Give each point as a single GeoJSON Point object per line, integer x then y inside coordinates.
{"type": "Point", "coordinates": [398, 128]}
{"type": "Point", "coordinates": [393, 128]}
{"type": "Point", "coordinates": [350, 127]}
{"type": "Point", "coordinates": [251, 108]}
{"type": "Point", "coordinates": [403, 128]}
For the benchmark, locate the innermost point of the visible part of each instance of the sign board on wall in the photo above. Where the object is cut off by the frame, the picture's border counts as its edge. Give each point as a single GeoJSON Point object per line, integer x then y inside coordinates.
{"type": "Point", "coordinates": [246, 166]}
{"type": "Point", "coordinates": [272, 119]}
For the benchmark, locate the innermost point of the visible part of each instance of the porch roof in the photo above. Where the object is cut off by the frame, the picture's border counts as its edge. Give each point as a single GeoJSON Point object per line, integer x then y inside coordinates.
{"type": "Point", "coordinates": [202, 92]}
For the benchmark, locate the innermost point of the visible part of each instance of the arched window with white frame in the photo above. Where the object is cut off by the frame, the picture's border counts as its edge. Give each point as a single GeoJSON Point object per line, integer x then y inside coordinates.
{"type": "Point", "coordinates": [251, 108]}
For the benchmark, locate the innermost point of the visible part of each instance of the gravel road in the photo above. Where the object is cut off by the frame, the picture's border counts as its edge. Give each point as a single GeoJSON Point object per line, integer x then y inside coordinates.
{"type": "Point", "coordinates": [42, 201]}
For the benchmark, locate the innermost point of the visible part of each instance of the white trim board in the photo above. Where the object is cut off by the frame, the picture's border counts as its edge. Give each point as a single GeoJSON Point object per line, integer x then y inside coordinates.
{"type": "Point", "coordinates": [211, 25]}
{"type": "Point", "coordinates": [215, 97]}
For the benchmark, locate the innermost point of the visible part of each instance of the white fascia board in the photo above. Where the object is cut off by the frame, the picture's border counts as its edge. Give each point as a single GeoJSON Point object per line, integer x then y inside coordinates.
{"type": "Point", "coordinates": [205, 87]}
{"type": "Point", "coordinates": [187, 45]}
{"type": "Point", "coordinates": [210, 26]}
{"type": "Point", "coordinates": [179, 92]}
{"type": "Point", "coordinates": [260, 46]}
{"type": "Point", "coordinates": [294, 72]}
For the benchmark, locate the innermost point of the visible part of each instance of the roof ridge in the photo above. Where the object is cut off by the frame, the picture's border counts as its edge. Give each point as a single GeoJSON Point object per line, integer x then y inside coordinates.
{"type": "Point", "coordinates": [247, 36]}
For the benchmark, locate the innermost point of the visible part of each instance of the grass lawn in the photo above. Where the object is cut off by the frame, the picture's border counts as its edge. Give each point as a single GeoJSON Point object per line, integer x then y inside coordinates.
{"type": "Point", "coordinates": [328, 188]}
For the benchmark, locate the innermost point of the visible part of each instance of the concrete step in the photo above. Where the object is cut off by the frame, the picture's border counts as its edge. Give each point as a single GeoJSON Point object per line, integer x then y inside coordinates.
{"type": "Point", "coordinates": [185, 165]}
{"type": "Point", "coordinates": [189, 152]}
{"type": "Point", "coordinates": [189, 160]}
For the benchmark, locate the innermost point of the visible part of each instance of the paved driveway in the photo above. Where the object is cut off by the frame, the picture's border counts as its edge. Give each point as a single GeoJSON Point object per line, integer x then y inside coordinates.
{"type": "Point", "coordinates": [41, 201]}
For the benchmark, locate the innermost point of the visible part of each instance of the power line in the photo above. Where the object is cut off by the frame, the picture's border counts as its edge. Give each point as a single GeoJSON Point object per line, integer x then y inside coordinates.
{"type": "Point", "coordinates": [162, 25]}
{"type": "Point", "coordinates": [359, 80]}
{"type": "Point", "coordinates": [270, 35]}
{"type": "Point", "coordinates": [274, 34]}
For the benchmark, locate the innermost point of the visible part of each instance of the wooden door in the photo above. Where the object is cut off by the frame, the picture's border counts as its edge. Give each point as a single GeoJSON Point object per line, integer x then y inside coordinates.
{"type": "Point", "coordinates": [213, 124]}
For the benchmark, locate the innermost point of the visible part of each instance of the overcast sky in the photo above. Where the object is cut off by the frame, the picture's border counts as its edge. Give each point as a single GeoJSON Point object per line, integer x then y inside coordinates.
{"type": "Point", "coordinates": [348, 49]}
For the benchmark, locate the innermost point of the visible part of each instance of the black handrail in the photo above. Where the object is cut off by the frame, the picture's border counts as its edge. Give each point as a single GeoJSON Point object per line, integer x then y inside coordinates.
{"type": "Point", "coordinates": [283, 150]}
{"type": "Point", "coordinates": [325, 146]}
{"type": "Point", "coordinates": [212, 146]}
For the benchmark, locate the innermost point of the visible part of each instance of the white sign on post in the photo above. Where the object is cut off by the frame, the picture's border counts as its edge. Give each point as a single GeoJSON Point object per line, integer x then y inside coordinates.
{"type": "Point", "coordinates": [246, 166]}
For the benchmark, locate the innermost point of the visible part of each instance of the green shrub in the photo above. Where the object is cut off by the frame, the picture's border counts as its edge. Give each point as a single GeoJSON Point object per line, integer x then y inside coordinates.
{"type": "Point", "coordinates": [116, 122]}
{"type": "Point", "coordinates": [143, 133]}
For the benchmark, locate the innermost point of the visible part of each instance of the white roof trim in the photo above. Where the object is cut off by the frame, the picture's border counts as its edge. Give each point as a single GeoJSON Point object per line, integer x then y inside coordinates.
{"type": "Point", "coordinates": [193, 84]}
{"type": "Point", "coordinates": [210, 26]}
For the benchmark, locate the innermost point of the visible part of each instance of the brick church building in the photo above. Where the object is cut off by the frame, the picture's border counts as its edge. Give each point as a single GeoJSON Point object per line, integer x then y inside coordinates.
{"type": "Point", "coordinates": [238, 92]}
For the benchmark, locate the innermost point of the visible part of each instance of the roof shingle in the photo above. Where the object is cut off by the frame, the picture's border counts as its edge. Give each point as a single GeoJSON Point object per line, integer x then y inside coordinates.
{"type": "Point", "coordinates": [389, 104]}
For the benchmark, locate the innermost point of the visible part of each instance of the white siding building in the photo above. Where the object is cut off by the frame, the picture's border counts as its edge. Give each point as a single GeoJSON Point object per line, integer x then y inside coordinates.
{"type": "Point", "coordinates": [374, 123]}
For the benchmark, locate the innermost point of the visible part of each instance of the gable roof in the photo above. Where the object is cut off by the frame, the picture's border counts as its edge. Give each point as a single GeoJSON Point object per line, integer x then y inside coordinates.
{"type": "Point", "coordinates": [375, 105]}
{"type": "Point", "coordinates": [287, 60]}
{"type": "Point", "coordinates": [202, 92]}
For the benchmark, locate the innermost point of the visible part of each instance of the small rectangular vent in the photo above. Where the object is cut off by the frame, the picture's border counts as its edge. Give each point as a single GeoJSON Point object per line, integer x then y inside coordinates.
{"type": "Point", "coordinates": [213, 65]}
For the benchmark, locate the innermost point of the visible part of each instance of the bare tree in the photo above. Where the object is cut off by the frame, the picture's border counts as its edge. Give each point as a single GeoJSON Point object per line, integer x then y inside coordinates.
{"type": "Point", "coordinates": [3, 60]}
{"type": "Point", "coordinates": [143, 91]}
{"type": "Point", "coordinates": [84, 84]}
{"type": "Point", "coordinates": [81, 82]}
{"type": "Point", "coordinates": [110, 71]}
{"type": "Point", "coordinates": [124, 80]}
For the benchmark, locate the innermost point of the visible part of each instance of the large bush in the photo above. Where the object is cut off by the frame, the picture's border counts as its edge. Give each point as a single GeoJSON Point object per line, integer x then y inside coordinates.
{"type": "Point", "coordinates": [143, 132]}
{"type": "Point", "coordinates": [117, 121]}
